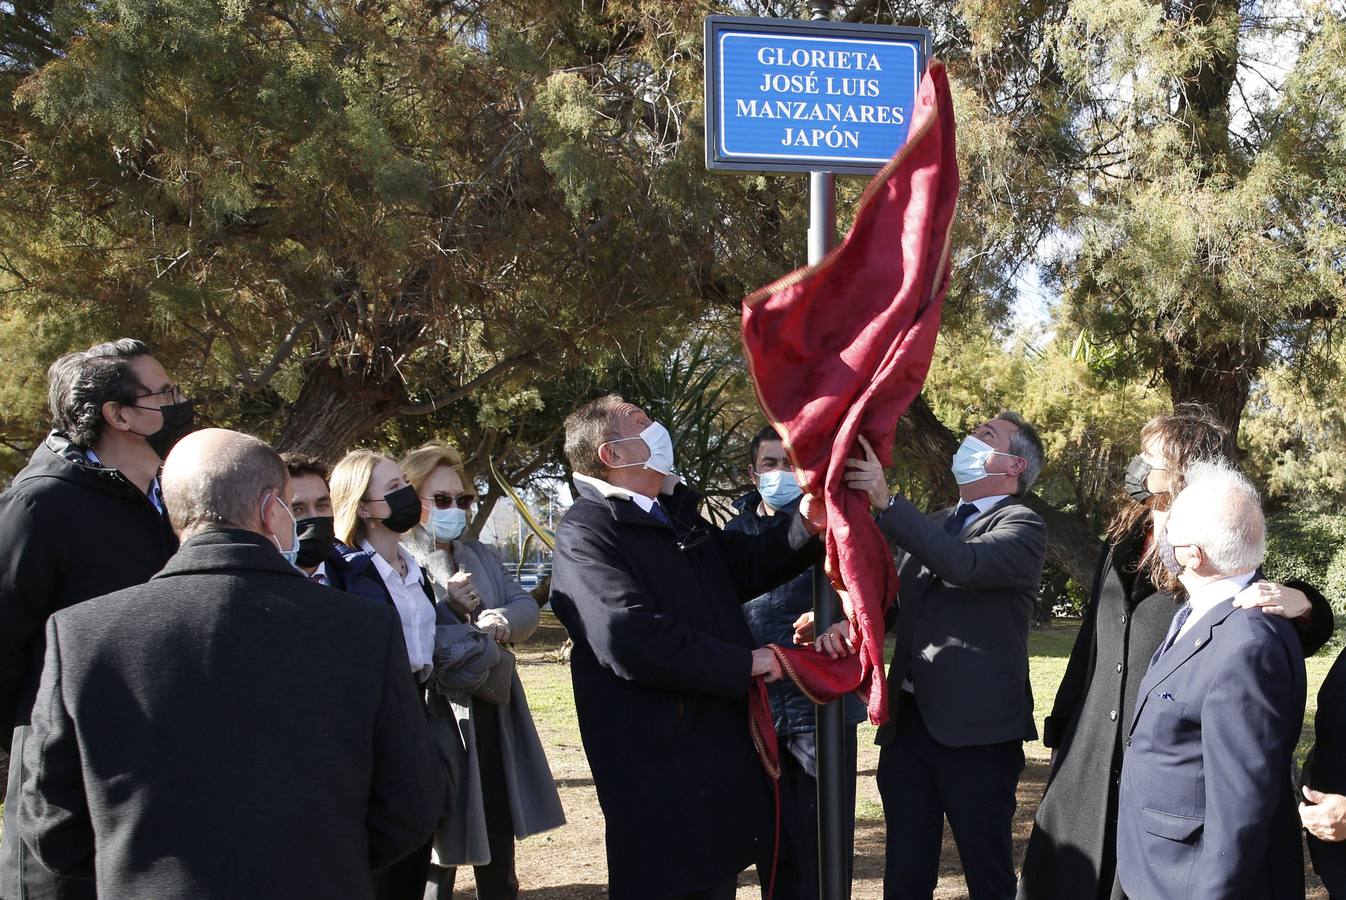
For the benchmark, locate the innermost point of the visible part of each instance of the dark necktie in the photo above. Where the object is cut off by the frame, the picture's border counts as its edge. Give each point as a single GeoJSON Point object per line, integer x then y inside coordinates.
{"type": "Point", "coordinates": [658, 512]}
{"type": "Point", "coordinates": [1179, 619]}
{"type": "Point", "coordinates": [954, 523]}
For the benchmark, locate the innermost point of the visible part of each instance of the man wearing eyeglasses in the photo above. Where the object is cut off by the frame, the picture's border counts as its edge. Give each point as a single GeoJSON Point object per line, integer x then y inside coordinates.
{"type": "Point", "coordinates": [83, 519]}
{"type": "Point", "coordinates": [663, 660]}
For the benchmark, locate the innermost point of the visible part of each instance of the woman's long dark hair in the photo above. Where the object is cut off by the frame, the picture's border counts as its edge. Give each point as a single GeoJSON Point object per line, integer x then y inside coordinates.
{"type": "Point", "coordinates": [1189, 433]}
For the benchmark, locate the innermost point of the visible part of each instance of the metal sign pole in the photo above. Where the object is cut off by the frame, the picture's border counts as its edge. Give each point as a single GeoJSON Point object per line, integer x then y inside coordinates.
{"type": "Point", "coordinates": [833, 866]}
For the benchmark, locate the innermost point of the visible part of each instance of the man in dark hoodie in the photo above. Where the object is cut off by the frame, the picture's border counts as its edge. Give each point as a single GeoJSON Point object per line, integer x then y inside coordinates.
{"type": "Point", "coordinates": [773, 502]}
{"type": "Point", "coordinates": [83, 519]}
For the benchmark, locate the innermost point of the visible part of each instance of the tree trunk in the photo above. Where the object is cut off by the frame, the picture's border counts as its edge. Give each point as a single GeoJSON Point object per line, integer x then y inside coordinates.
{"type": "Point", "coordinates": [1219, 376]}
{"type": "Point", "coordinates": [335, 410]}
{"type": "Point", "coordinates": [1072, 545]}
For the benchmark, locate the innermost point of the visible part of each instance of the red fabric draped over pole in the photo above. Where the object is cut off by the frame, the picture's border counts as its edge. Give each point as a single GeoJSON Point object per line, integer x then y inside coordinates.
{"type": "Point", "coordinates": [840, 349]}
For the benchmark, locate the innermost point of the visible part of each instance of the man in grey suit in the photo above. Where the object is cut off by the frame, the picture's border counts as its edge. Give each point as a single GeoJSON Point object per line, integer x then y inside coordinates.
{"type": "Point", "coordinates": [228, 729]}
{"type": "Point", "coordinates": [961, 702]}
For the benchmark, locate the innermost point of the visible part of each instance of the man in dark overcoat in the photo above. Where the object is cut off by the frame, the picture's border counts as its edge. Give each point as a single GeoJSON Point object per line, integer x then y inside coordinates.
{"type": "Point", "coordinates": [84, 518]}
{"type": "Point", "coordinates": [228, 729]}
{"type": "Point", "coordinates": [662, 662]}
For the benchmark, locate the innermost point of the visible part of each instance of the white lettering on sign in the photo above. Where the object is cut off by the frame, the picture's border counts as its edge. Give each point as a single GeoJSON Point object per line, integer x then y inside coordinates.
{"type": "Point", "coordinates": [819, 59]}
{"type": "Point", "coordinates": [852, 87]}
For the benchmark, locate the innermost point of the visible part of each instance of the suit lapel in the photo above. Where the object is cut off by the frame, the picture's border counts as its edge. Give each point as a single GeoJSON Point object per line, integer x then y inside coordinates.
{"type": "Point", "coordinates": [1183, 649]}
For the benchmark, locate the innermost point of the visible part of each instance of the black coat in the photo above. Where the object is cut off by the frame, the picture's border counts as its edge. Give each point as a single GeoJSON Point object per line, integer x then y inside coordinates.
{"type": "Point", "coordinates": [771, 619]}
{"type": "Point", "coordinates": [661, 668]}
{"type": "Point", "coordinates": [1072, 851]}
{"type": "Point", "coordinates": [1326, 772]}
{"type": "Point", "coordinates": [70, 530]}
{"type": "Point", "coordinates": [228, 730]}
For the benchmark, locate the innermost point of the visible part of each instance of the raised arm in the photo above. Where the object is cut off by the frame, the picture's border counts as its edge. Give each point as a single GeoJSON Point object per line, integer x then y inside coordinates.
{"type": "Point", "coordinates": [1010, 555]}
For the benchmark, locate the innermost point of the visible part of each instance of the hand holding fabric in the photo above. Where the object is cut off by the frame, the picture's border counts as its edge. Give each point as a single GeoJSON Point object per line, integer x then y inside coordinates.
{"type": "Point", "coordinates": [494, 623]}
{"type": "Point", "coordinates": [867, 475]}
{"type": "Point", "coordinates": [764, 663]}
{"type": "Point", "coordinates": [838, 641]}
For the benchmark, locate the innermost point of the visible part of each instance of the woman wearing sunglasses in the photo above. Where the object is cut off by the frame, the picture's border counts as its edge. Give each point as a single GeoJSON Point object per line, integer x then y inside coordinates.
{"type": "Point", "coordinates": [503, 787]}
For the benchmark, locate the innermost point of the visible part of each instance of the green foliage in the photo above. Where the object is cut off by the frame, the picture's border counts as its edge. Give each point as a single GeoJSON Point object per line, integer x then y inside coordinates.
{"type": "Point", "coordinates": [1309, 547]}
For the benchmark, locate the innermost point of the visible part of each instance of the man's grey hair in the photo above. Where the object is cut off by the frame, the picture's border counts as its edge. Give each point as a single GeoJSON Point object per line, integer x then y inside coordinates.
{"type": "Point", "coordinates": [1220, 511]}
{"type": "Point", "coordinates": [587, 429]}
{"type": "Point", "coordinates": [1025, 444]}
{"type": "Point", "coordinates": [222, 492]}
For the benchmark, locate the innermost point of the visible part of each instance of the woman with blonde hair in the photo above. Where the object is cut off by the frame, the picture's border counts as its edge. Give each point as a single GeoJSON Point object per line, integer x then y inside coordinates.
{"type": "Point", "coordinates": [372, 506]}
{"type": "Point", "coordinates": [503, 786]}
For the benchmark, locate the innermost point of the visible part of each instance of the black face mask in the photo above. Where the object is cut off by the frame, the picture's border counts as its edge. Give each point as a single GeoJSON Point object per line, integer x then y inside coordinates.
{"type": "Point", "coordinates": [1136, 472]}
{"type": "Point", "coordinates": [404, 509]}
{"type": "Point", "coordinates": [316, 537]}
{"type": "Point", "coordinates": [178, 421]}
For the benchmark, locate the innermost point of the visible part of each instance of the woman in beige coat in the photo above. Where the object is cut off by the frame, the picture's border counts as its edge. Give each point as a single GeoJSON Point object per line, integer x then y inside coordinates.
{"type": "Point", "coordinates": [502, 786]}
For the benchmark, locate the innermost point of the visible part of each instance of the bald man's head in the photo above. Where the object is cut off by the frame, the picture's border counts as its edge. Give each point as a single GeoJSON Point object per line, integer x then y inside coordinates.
{"type": "Point", "coordinates": [216, 478]}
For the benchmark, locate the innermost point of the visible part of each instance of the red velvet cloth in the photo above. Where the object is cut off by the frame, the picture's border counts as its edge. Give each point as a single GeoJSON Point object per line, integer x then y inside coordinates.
{"type": "Point", "coordinates": [841, 349]}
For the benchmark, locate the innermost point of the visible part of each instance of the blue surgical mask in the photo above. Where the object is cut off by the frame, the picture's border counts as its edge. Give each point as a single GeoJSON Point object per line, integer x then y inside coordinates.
{"type": "Point", "coordinates": [292, 554]}
{"type": "Point", "coordinates": [779, 488]}
{"type": "Point", "coordinates": [446, 525]}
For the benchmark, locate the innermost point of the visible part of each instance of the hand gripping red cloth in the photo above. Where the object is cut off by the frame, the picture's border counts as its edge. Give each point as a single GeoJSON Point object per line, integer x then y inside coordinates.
{"type": "Point", "coordinates": [841, 349]}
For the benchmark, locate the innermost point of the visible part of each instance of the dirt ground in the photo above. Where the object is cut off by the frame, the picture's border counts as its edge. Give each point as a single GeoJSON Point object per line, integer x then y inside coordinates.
{"type": "Point", "coordinates": [568, 863]}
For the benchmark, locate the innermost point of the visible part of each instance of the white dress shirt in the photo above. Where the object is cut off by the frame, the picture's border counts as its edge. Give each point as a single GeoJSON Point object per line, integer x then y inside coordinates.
{"type": "Point", "coordinates": [415, 609]}
{"type": "Point", "coordinates": [983, 504]}
{"type": "Point", "coordinates": [611, 490]}
{"type": "Point", "coordinates": [1208, 596]}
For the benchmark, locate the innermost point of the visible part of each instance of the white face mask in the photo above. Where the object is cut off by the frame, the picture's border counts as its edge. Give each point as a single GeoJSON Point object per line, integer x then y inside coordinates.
{"type": "Point", "coordinates": [969, 463]}
{"type": "Point", "coordinates": [293, 553]}
{"type": "Point", "coordinates": [660, 444]}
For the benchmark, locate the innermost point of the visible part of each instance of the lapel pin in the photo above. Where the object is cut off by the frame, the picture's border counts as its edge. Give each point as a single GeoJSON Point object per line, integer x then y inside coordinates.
{"type": "Point", "coordinates": [1166, 696]}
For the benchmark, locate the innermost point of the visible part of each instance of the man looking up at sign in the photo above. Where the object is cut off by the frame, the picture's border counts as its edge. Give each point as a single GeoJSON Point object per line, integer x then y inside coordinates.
{"type": "Point", "coordinates": [961, 702]}
{"type": "Point", "coordinates": [663, 659]}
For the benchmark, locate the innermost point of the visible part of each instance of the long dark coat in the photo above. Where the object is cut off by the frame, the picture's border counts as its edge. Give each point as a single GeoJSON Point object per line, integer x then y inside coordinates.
{"type": "Point", "coordinates": [1327, 772]}
{"type": "Point", "coordinates": [1072, 852]}
{"type": "Point", "coordinates": [227, 730]}
{"type": "Point", "coordinates": [661, 668]}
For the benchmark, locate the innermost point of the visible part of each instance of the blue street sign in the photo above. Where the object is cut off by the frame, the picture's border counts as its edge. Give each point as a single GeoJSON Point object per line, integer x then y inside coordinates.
{"type": "Point", "coordinates": [784, 95]}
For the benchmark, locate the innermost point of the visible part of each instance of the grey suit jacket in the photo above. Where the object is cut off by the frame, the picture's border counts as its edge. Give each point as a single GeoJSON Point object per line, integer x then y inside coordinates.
{"type": "Point", "coordinates": [962, 634]}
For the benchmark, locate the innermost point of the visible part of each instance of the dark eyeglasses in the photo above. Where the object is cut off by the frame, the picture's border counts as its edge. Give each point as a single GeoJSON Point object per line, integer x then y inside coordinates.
{"type": "Point", "coordinates": [173, 393]}
{"type": "Point", "coordinates": [446, 501]}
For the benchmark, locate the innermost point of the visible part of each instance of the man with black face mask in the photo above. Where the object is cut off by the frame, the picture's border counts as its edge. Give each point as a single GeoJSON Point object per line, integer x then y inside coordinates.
{"type": "Point", "coordinates": [83, 519]}
{"type": "Point", "coordinates": [320, 556]}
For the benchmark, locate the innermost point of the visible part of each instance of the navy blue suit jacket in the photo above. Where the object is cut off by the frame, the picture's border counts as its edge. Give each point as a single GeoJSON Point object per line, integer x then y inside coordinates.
{"type": "Point", "coordinates": [1207, 807]}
